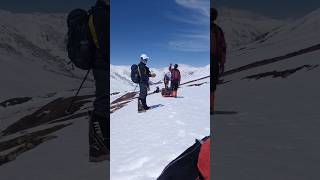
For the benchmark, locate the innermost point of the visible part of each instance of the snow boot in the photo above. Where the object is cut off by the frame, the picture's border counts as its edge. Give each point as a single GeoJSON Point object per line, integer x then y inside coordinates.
{"type": "Point", "coordinates": [144, 103]}
{"type": "Point", "coordinates": [99, 141]}
{"type": "Point", "coordinates": [140, 106]}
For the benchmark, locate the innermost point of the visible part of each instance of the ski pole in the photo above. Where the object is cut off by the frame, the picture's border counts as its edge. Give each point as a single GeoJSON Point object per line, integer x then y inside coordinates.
{"type": "Point", "coordinates": [76, 95]}
{"type": "Point", "coordinates": [135, 88]}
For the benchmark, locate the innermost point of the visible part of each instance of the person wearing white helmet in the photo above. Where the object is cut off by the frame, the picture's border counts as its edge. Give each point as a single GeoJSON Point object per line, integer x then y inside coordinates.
{"type": "Point", "coordinates": [145, 74]}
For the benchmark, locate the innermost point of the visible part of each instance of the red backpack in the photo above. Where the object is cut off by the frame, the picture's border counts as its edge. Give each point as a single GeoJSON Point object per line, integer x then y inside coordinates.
{"type": "Point", "coordinates": [204, 160]}
{"type": "Point", "coordinates": [218, 44]}
{"type": "Point", "coordinates": [192, 164]}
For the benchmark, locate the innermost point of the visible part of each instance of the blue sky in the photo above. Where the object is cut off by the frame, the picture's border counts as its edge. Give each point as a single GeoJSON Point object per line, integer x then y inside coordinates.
{"type": "Point", "coordinates": [280, 9]}
{"type": "Point", "coordinates": [168, 31]}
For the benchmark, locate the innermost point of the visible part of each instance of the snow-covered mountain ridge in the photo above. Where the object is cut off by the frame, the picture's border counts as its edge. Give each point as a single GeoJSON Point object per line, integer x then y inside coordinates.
{"type": "Point", "coordinates": [120, 79]}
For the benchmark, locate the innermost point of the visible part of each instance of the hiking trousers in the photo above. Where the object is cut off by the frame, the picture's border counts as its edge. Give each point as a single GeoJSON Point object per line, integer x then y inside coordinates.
{"type": "Point", "coordinates": [214, 78]}
{"type": "Point", "coordinates": [143, 91]}
{"type": "Point", "coordinates": [143, 94]}
{"type": "Point", "coordinates": [101, 103]}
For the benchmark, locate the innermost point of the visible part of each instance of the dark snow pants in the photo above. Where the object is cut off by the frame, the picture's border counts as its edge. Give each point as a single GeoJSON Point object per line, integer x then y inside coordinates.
{"type": "Point", "coordinates": [143, 94]}
{"type": "Point", "coordinates": [143, 91]}
{"type": "Point", "coordinates": [174, 85]}
{"type": "Point", "coordinates": [214, 79]}
{"type": "Point", "coordinates": [101, 102]}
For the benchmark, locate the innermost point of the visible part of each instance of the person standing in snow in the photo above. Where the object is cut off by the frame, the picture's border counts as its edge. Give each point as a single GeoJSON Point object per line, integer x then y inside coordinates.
{"type": "Point", "coordinates": [217, 54]}
{"type": "Point", "coordinates": [175, 79]}
{"type": "Point", "coordinates": [145, 74]}
{"type": "Point", "coordinates": [166, 80]}
{"type": "Point", "coordinates": [99, 130]}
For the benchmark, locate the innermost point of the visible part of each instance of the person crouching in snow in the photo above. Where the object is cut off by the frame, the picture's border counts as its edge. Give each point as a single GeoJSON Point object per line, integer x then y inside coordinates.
{"type": "Point", "coordinates": [166, 80]}
{"type": "Point", "coordinates": [145, 74]}
{"type": "Point", "coordinates": [175, 79]}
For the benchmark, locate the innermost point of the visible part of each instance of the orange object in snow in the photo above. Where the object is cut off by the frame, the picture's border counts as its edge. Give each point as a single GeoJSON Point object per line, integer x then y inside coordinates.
{"type": "Point", "coordinates": [204, 160]}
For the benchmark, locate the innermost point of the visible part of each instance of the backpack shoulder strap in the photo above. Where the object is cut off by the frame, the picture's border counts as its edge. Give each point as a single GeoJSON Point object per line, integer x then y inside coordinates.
{"type": "Point", "coordinates": [93, 32]}
{"type": "Point", "coordinates": [139, 71]}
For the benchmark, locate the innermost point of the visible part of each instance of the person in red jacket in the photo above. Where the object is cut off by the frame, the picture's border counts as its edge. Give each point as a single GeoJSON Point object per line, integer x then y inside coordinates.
{"type": "Point", "coordinates": [217, 54]}
{"type": "Point", "coordinates": [175, 79]}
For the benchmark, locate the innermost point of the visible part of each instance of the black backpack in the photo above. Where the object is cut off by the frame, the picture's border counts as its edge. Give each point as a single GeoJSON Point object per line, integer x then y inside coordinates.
{"type": "Point", "coordinates": [81, 38]}
{"type": "Point", "coordinates": [135, 73]}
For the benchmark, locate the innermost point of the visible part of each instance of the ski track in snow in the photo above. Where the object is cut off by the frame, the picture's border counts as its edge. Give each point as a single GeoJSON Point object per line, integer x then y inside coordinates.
{"type": "Point", "coordinates": [144, 143]}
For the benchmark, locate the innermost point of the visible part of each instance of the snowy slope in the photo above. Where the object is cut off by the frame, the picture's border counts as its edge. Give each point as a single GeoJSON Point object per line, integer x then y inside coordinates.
{"type": "Point", "coordinates": [267, 127]}
{"type": "Point", "coordinates": [63, 157]}
{"type": "Point", "coordinates": [32, 54]}
{"type": "Point", "coordinates": [243, 27]}
{"type": "Point", "coordinates": [143, 144]}
{"type": "Point", "coordinates": [298, 34]}
{"type": "Point", "coordinates": [278, 41]}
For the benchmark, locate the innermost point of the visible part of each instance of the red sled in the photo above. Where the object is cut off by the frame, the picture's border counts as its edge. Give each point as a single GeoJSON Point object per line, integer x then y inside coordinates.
{"type": "Point", "coordinates": [166, 92]}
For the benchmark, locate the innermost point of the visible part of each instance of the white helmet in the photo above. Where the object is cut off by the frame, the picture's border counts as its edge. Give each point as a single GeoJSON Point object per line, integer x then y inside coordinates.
{"type": "Point", "coordinates": [144, 58]}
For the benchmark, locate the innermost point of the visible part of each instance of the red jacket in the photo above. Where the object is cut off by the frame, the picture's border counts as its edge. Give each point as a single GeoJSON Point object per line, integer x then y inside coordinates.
{"type": "Point", "coordinates": [218, 44]}
{"type": "Point", "coordinates": [175, 74]}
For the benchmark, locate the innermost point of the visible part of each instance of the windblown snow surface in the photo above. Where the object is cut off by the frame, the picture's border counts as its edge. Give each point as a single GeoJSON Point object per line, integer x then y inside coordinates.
{"type": "Point", "coordinates": [267, 126]}
{"type": "Point", "coordinates": [144, 143]}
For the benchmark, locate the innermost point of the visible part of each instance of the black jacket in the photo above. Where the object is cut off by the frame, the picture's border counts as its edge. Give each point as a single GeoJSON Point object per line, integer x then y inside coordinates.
{"type": "Point", "coordinates": [101, 20]}
{"type": "Point", "coordinates": [145, 73]}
